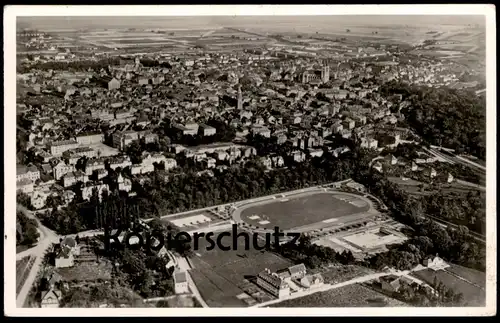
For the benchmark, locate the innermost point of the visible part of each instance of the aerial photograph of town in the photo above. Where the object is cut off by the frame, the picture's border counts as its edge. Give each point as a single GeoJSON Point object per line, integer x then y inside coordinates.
{"type": "Point", "coordinates": [250, 162]}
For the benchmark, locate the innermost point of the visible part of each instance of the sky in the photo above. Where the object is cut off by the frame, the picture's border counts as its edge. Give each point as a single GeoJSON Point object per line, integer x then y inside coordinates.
{"type": "Point", "coordinates": [282, 23]}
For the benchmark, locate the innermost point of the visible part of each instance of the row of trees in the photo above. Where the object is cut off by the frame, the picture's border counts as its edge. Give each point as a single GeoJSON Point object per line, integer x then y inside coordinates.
{"type": "Point", "coordinates": [83, 65]}
{"type": "Point", "coordinates": [313, 255]}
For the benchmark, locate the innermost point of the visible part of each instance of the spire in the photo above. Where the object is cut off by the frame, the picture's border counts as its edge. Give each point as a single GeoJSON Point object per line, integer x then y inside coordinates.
{"type": "Point", "coordinates": [240, 98]}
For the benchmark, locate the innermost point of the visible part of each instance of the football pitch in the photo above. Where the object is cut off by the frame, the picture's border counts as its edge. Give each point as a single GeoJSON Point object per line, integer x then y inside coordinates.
{"type": "Point", "coordinates": [296, 211]}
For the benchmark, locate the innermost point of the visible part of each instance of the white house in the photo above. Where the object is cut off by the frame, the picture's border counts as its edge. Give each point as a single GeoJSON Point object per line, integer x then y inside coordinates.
{"type": "Point", "coordinates": [51, 298]}
{"type": "Point", "coordinates": [435, 263]}
{"type": "Point", "coordinates": [181, 283]}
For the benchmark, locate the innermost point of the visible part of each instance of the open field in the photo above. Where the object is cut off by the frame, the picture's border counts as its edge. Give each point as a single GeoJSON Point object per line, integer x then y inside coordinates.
{"type": "Point", "coordinates": [222, 277]}
{"type": "Point", "coordinates": [474, 296]}
{"type": "Point", "coordinates": [348, 296]}
{"type": "Point", "coordinates": [292, 212]}
{"type": "Point", "coordinates": [343, 273]}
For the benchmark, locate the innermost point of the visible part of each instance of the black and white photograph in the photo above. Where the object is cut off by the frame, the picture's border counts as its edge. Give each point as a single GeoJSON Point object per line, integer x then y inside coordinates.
{"type": "Point", "coordinates": [260, 159]}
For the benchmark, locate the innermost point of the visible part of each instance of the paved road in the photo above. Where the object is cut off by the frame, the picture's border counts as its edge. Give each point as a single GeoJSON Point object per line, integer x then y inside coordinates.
{"type": "Point", "coordinates": [47, 237]}
{"type": "Point", "coordinates": [183, 265]}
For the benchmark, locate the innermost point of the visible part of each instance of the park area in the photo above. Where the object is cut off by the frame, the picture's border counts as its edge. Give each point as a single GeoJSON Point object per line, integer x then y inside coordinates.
{"type": "Point", "coordinates": [354, 295]}
{"type": "Point", "coordinates": [224, 278]}
{"type": "Point", "coordinates": [293, 212]}
{"type": "Point", "coordinates": [473, 295]}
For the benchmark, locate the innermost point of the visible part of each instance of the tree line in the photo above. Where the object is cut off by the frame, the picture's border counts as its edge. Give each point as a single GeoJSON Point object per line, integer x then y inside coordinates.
{"type": "Point", "coordinates": [27, 230]}
{"type": "Point", "coordinates": [80, 65]}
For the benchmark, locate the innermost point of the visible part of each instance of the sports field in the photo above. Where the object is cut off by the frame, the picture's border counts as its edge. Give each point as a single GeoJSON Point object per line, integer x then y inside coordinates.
{"type": "Point", "coordinates": [193, 220]}
{"type": "Point", "coordinates": [297, 211]}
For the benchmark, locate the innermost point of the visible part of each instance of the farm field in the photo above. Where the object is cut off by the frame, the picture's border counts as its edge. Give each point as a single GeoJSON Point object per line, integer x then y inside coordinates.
{"type": "Point", "coordinates": [343, 273]}
{"type": "Point", "coordinates": [287, 213]}
{"type": "Point", "coordinates": [473, 295]}
{"type": "Point", "coordinates": [474, 276]}
{"type": "Point", "coordinates": [221, 276]}
{"type": "Point", "coordinates": [412, 187]}
{"type": "Point", "coordinates": [348, 296]}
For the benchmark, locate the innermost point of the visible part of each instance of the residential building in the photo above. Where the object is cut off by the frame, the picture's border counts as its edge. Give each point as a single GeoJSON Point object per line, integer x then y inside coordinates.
{"type": "Point", "coordinates": [85, 151]}
{"type": "Point", "coordinates": [25, 185]}
{"type": "Point", "coordinates": [74, 177]}
{"type": "Point", "coordinates": [312, 281]}
{"type": "Point", "coordinates": [58, 147]}
{"type": "Point", "coordinates": [297, 271]}
{"type": "Point", "coordinates": [31, 172]}
{"type": "Point", "coordinates": [121, 162]}
{"type": "Point", "coordinates": [51, 298]}
{"type": "Point", "coordinates": [206, 130]}
{"type": "Point", "coordinates": [94, 165]}
{"type": "Point", "coordinates": [122, 139]}
{"type": "Point", "coordinates": [90, 139]}
{"type": "Point", "coordinates": [390, 283]}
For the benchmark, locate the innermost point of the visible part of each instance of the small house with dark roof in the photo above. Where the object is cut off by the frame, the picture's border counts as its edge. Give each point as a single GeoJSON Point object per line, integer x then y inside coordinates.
{"type": "Point", "coordinates": [390, 283]}
{"type": "Point", "coordinates": [297, 271]}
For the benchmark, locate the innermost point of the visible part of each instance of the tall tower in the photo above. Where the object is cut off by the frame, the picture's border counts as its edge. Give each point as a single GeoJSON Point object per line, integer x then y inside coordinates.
{"type": "Point", "coordinates": [325, 73]}
{"type": "Point", "coordinates": [240, 98]}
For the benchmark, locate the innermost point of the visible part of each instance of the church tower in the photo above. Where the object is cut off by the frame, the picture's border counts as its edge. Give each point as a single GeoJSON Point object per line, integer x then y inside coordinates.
{"type": "Point", "coordinates": [240, 98]}
{"type": "Point", "coordinates": [325, 73]}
